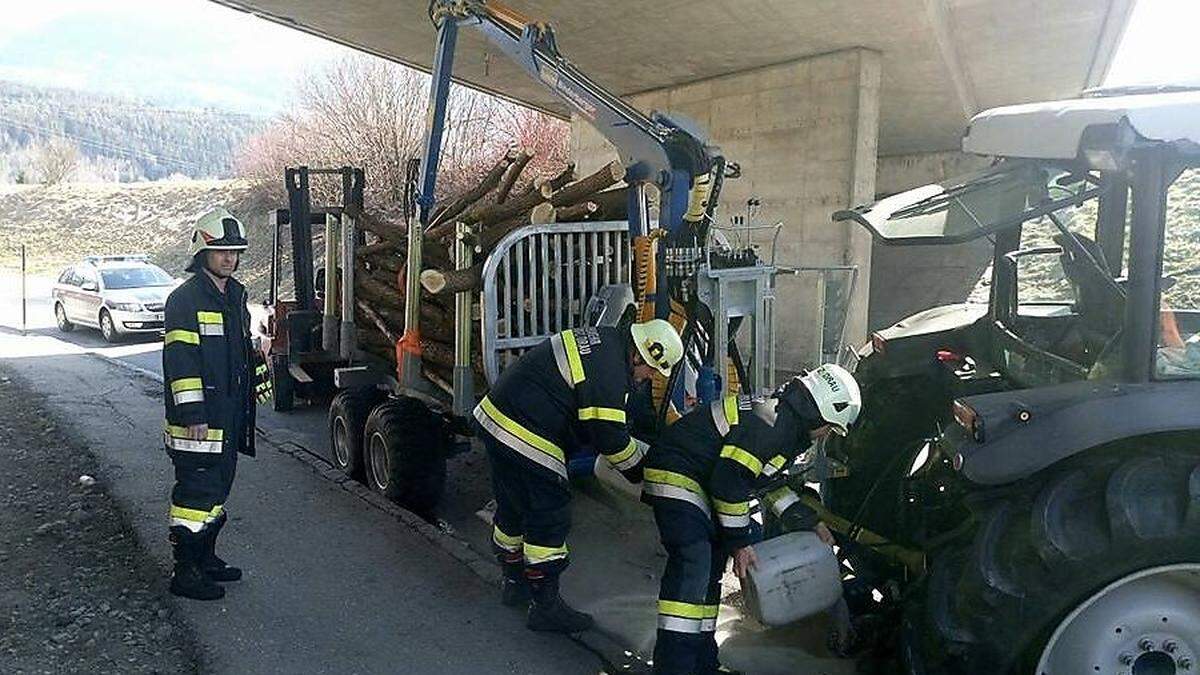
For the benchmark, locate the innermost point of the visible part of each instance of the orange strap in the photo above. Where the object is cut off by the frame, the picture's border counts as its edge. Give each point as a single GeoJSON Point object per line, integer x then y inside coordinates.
{"type": "Point", "coordinates": [409, 343]}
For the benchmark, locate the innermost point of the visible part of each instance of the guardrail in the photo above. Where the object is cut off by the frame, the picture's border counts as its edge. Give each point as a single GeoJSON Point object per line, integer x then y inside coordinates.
{"type": "Point", "coordinates": [537, 282]}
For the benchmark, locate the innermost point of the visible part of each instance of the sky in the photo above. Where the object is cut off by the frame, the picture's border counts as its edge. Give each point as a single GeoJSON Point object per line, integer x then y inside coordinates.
{"type": "Point", "coordinates": [195, 53]}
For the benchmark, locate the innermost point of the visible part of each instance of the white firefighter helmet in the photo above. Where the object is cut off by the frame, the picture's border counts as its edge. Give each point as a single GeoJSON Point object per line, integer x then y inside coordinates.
{"type": "Point", "coordinates": [659, 344]}
{"type": "Point", "coordinates": [836, 393]}
{"type": "Point", "coordinates": [217, 230]}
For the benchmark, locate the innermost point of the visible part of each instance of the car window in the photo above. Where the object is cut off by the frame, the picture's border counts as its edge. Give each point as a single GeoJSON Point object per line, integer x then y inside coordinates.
{"type": "Point", "coordinates": [85, 275]}
{"type": "Point", "coordinates": [65, 277]}
{"type": "Point", "coordinates": [135, 277]}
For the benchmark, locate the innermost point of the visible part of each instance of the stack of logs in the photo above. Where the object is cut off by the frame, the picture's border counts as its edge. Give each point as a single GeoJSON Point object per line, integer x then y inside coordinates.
{"type": "Point", "coordinates": [492, 209]}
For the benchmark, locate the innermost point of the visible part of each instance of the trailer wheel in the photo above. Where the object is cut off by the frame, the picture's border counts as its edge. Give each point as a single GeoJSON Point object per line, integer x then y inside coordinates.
{"type": "Point", "coordinates": [348, 413]}
{"type": "Point", "coordinates": [405, 454]}
{"type": "Point", "coordinates": [1092, 568]}
{"type": "Point", "coordinates": [284, 397]}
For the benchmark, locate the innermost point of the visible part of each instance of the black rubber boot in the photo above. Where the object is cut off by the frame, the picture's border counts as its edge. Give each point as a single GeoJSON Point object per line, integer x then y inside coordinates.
{"type": "Point", "coordinates": [188, 580]}
{"type": "Point", "coordinates": [213, 566]}
{"type": "Point", "coordinates": [514, 591]}
{"type": "Point", "coordinates": [549, 612]}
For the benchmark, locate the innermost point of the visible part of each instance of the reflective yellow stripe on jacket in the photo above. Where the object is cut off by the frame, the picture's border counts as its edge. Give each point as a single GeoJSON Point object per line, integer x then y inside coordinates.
{"type": "Point", "coordinates": [210, 323]}
{"type": "Point", "coordinates": [176, 438]}
{"type": "Point", "coordinates": [725, 414]}
{"type": "Point", "coordinates": [518, 438]}
{"type": "Point", "coordinates": [566, 355]}
{"type": "Point", "coordinates": [742, 457]}
{"type": "Point", "coordinates": [181, 335]}
{"type": "Point", "coordinates": [672, 485]}
{"type": "Point", "coordinates": [187, 390]}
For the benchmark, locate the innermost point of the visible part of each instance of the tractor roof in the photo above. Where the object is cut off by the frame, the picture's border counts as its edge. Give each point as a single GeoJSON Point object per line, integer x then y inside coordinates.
{"type": "Point", "coordinates": [1053, 130]}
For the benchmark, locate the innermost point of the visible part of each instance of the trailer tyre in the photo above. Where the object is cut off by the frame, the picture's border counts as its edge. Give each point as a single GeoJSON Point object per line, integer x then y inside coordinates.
{"type": "Point", "coordinates": [284, 386]}
{"type": "Point", "coordinates": [1075, 566]}
{"type": "Point", "coordinates": [405, 446]}
{"type": "Point", "coordinates": [348, 412]}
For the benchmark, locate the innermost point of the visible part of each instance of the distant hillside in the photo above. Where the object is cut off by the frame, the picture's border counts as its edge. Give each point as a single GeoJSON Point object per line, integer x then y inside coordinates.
{"type": "Point", "coordinates": [126, 140]}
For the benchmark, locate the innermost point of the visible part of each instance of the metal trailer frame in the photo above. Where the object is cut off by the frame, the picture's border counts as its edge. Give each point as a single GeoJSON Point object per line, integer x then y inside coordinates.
{"type": "Point", "coordinates": [289, 357]}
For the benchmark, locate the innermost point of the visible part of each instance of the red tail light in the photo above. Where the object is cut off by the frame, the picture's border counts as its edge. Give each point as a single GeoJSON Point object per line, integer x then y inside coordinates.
{"type": "Point", "coordinates": [968, 419]}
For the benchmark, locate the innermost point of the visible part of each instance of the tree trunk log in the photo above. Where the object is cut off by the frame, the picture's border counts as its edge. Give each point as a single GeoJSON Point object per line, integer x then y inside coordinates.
{"type": "Point", "coordinates": [542, 214]}
{"type": "Point", "coordinates": [581, 189]}
{"type": "Point", "coordinates": [387, 246]}
{"type": "Point", "coordinates": [613, 204]}
{"type": "Point", "coordinates": [466, 199]}
{"type": "Point", "coordinates": [378, 321]}
{"type": "Point", "coordinates": [576, 213]}
{"type": "Point", "coordinates": [445, 282]}
{"type": "Point", "coordinates": [511, 174]}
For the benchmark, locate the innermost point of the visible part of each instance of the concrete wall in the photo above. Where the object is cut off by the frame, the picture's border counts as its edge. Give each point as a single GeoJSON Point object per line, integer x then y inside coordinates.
{"type": "Point", "coordinates": [907, 279]}
{"type": "Point", "coordinates": [805, 134]}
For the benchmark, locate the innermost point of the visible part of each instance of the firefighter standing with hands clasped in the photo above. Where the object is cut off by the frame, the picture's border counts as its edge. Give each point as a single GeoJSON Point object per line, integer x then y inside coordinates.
{"type": "Point", "coordinates": [212, 377]}
{"type": "Point", "coordinates": [699, 478]}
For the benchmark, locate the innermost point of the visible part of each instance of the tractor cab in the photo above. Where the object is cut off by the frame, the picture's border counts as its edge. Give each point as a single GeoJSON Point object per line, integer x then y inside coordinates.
{"type": "Point", "coordinates": [1091, 210]}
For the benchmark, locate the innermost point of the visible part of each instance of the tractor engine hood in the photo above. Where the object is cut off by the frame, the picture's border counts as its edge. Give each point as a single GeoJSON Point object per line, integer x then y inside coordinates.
{"type": "Point", "coordinates": [1006, 436]}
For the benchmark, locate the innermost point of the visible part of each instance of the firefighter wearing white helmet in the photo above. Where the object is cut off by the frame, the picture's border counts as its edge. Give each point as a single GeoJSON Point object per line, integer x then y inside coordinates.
{"type": "Point", "coordinates": [700, 477]}
{"type": "Point", "coordinates": [570, 390]}
{"type": "Point", "coordinates": [212, 378]}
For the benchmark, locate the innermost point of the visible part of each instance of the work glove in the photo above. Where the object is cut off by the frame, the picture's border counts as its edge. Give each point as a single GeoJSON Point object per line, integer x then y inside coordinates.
{"type": "Point", "coordinates": [263, 389]}
{"type": "Point", "coordinates": [633, 474]}
{"type": "Point", "coordinates": [798, 517]}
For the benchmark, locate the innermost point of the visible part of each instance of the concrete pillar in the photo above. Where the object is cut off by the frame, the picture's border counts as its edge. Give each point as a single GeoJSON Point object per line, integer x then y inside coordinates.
{"type": "Point", "coordinates": [805, 134]}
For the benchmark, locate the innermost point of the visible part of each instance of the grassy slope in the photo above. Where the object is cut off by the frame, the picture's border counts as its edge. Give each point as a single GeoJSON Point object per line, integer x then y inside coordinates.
{"type": "Point", "coordinates": [61, 224]}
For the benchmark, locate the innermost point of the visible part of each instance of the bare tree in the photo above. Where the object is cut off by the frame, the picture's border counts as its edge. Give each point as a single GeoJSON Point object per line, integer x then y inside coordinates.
{"type": "Point", "coordinates": [55, 161]}
{"type": "Point", "coordinates": [363, 111]}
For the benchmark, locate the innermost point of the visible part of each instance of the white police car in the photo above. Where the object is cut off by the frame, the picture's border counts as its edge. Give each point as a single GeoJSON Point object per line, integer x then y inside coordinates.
{"type": "Point", "coordinates": [119, 294]}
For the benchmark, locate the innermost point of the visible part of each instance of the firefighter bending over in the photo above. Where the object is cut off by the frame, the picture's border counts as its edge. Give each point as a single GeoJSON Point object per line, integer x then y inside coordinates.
{"type": "Point", "coordinates": [211, 378]}
{"type": "Point", "coordinates": [699, 478]}
{"type": "Point", "coordinates": [569, 390]}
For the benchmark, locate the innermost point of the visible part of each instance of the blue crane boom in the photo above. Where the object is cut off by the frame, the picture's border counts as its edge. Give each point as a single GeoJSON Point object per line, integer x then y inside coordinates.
{"type": "Point", "coordinates": [655, 150]}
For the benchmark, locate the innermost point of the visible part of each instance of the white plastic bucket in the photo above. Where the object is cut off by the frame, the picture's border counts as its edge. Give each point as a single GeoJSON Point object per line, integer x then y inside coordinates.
{"type": "Point", "coordinates": [797, 576]}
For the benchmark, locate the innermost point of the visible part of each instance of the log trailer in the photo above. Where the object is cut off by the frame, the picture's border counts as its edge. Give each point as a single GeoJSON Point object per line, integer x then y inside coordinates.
{"type": "Point", "coordinates": [395, 427]}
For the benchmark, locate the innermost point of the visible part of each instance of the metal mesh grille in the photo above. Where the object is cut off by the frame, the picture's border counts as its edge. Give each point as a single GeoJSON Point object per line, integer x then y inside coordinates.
{"type": "Point", "coordinates": [538, 280]}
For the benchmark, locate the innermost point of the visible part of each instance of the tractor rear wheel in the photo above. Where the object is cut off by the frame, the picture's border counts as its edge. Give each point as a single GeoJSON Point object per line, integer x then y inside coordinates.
{"type": "Point", "coordinates": [405, 447]}
{"type": "Point", "coordinates": [1093, 567]}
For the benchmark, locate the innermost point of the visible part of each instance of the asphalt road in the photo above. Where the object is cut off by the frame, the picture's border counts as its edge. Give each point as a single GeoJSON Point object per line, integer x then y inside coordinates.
{"type": "Point", "coordinates": [350, 587]}
{"type": "Point", "coordinates": [334, 585]}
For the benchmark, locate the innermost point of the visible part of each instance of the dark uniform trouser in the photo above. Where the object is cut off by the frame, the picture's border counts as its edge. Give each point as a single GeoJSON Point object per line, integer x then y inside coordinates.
{"type": "Point", "coordinates": [532, 514]}
{"type": "Point", "coordinates": [690, 593]}
{"type": "Point", "coordinates": [202, 484]}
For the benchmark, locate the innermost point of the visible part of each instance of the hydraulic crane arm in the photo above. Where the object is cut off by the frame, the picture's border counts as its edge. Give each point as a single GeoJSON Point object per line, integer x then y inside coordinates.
{"type": "Point", "coordinates": [655, 150]}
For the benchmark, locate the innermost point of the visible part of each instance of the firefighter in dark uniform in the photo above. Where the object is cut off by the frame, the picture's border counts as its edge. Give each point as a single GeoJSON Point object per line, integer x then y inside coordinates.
{"type": "Point", "coordinates": [568, 390]}
{"type": "Point", "coordinates": [212, 377]}
{"type": "Point", "coordinates": [700, 476]}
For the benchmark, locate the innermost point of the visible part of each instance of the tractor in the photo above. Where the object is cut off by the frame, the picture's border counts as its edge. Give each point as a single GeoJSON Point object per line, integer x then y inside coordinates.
{"type": "Point", "coordinates": [1023, 486]}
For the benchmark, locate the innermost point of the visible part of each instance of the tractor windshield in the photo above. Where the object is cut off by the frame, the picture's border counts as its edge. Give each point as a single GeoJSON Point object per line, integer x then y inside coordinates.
{"type": "Point", "coordinates": [976, 205]}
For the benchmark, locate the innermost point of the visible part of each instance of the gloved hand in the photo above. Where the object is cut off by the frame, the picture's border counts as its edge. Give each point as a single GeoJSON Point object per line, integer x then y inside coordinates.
{"type": "Point", "coordinates": [263, 389]}
{"type": "Point", "coordinates": [634, 473]}
{"type": "Point", "coordinates": [798, 517]}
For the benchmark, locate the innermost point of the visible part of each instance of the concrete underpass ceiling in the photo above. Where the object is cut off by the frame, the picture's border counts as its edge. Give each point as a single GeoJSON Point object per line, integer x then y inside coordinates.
{"type": "Point", "coordinates": [943, 59]}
